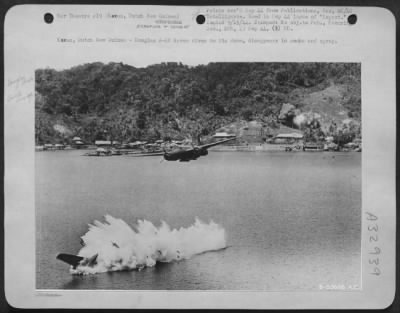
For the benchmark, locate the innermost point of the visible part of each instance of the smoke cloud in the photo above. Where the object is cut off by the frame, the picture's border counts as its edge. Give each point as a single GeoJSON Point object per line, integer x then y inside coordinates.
{"type": "Point", "coordinates": [300, 120]}
{"type": "Point", "coordinates": [121, 247]}
{"type": "Point", "coordinates": [306, 119]}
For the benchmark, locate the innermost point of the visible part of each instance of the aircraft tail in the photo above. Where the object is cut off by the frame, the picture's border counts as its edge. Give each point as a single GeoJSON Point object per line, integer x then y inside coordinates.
{"type": "Point", "coordinates": [70, 259]}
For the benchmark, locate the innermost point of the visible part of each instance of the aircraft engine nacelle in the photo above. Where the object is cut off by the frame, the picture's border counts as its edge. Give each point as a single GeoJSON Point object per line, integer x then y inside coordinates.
{"type": "Point", "coordinates": [203, 152]}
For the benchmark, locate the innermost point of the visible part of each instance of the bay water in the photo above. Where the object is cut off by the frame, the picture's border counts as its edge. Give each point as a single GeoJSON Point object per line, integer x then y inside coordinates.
{"type": "Point", "coordinates": [292, 220]}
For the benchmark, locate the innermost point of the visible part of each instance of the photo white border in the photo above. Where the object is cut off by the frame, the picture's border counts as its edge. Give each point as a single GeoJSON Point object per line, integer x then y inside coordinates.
{"type": "Point", "coordinates": [29, 43]}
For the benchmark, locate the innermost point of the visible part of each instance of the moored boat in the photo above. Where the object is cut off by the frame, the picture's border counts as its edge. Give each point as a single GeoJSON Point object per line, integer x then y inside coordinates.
{"type": "Point", "coordinates": [313, 146]}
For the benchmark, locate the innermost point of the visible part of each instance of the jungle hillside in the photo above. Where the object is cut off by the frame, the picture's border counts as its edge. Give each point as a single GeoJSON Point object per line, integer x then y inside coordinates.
{"type": "Point", "coordinates": [167, 101]}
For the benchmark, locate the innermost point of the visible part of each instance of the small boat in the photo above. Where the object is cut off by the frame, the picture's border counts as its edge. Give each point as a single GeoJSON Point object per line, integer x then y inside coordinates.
{"type": "Point", "coordinates": [95, 154]}
{"type": "Point", "coordinates": [105, 152]}
{"type": "Point", "coordinates": [310, 146]}
{"type": "Point", "coordinates": [39, 148]}
{"type": "Point", "coordinates": [100, 152]}
{"type": "Point", "coordinates": [116, 152]}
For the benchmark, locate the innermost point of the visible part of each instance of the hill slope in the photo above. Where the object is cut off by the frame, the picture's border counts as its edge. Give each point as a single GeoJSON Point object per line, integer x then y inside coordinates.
{"type": "Point", "coordinates": [170, 100]}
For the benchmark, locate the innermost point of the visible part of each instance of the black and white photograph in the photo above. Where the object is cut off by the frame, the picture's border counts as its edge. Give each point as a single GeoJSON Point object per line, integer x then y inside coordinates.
{"type": "Point", "coordinates": [199, 157]}
{"type": "Point", "coordinates": [219, 176]}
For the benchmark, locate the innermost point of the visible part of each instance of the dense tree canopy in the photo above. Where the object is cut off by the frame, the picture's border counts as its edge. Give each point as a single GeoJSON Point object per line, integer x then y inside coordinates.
{"type": "Point", "coordinates": [172, 100]}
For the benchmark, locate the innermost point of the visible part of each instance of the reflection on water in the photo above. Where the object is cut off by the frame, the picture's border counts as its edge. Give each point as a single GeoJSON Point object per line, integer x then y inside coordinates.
{"type": "Point", "coordinates": [292, 219]}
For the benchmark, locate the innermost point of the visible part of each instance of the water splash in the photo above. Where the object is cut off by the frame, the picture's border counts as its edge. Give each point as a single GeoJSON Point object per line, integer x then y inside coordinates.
{"type": "Point", "coordinates": [121, 247]}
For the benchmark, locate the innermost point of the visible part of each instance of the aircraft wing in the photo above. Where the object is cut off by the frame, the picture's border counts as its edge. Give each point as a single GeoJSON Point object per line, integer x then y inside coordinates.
{"type": "Point", "coordinates": [146, 154]}
{"type": "Point", "coordinates": [184, 153]}
{"type": "Point", "coordinates": [70, 259]}
{"type": "Point", "coordinates": [215, 143]}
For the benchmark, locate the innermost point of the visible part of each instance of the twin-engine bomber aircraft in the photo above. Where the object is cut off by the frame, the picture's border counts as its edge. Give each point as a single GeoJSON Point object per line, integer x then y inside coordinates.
{"type": "Point", "coordinates": [193, 153]}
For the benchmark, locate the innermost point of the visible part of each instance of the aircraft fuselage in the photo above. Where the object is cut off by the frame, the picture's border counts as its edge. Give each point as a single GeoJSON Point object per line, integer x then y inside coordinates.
{"type": "Point", "coordinates": [192, 154]}
{"type": "Point", "coordinates": [185, 156]}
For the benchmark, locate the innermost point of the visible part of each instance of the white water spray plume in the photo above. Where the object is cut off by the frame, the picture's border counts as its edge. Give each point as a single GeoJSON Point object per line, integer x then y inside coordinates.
{"type": "Point", "coordinates": [121, 247]}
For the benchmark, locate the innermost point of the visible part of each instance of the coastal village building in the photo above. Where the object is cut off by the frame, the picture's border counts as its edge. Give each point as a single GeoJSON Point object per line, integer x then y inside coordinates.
{"type": "Point", "coordinates": [136, 144]}
{"type": "Point", "coordinates": [77, 143]}
{"type": "Point", "coordinates": [48, 146]}
{"type": "Point", "coordinates": [102, 143]}
{"type": "Point", "coordinates": [59, 146]}
{"type": "Point", "coordinates": [284, 135]}
{"type": "Point", "coordinates": [290, 136]}
{"type": "Point", "coordinates": [223, 135]}
{"type": "Point", "coordinates": [105, 143]}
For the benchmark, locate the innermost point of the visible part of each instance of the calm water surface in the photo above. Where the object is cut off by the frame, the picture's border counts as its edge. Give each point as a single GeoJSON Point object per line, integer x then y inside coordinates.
{"type": "Point", "coordinates": [292, 219]}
